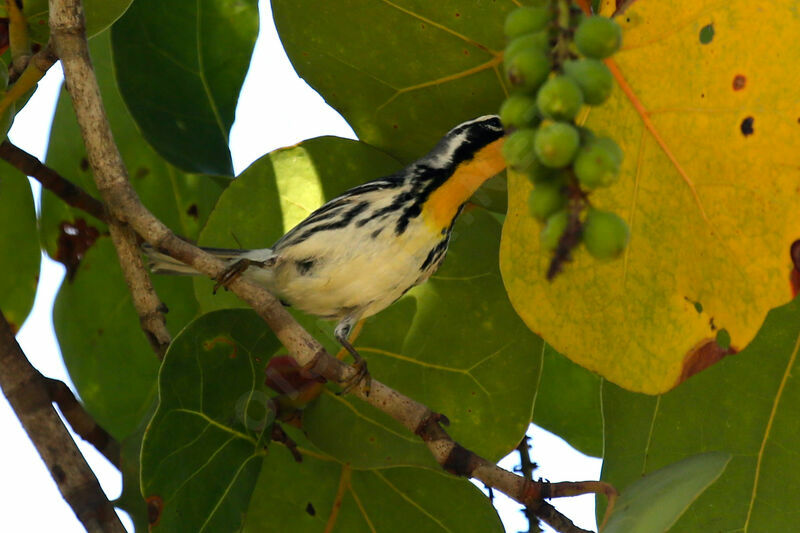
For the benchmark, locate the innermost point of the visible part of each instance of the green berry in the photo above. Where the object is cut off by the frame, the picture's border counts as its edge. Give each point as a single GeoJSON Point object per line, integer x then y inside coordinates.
{"type": "Point", "coordinates": [518, 150]}
{"type": "Point", "coordinates": [527, 19]}
{"type": "Point", "coordinates": [553, 229]}
{"type": "Point", "coordinates": [519, 111]}
{"type": "Point", "coordinates": [605, 234]}
{"type": "Point", "coordinates": [528, 69]}
{"type": "Point", "coordinates": [532, 41]}
{"type": "Point", "coordinates": [556, 144]}
{"type": "Point", "coordinates": [593, 77]}
{"type": "Point", "coordinates": [545, 199]}
{"type": "Point", "coordinates": [559, 98]}
{"type": "Point", "coordinates": [598, 37]}
{"type": "Point", "coordinates": [597, 163]}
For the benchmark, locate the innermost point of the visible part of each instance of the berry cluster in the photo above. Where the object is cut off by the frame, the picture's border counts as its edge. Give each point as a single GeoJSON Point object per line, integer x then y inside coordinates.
{"type": "Point", "coordinates": [554, 63]}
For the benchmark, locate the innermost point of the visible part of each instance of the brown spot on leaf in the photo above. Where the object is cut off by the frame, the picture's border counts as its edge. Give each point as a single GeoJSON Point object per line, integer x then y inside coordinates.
{"type": "Point", "coordinates": [310, 509]}
{"type": "Point", "coordinates": [74, 239]}
{"type": "Point", "coordinates": [141, 172]}
{"type": "Point", "coordinates": [739, 82]}
{"type": "Point", "coordinates": [458, 15]}
{"type": "Point", "coordinates": [210, 344]}
{"type": "Point", "coordinates": [702, 356]}
{"type": "Point", "coordinates": [84, 164]}
{"type": "Point", "coordinates": [747, 126]}
{"type": "Point", "coordinates": [155, 507]}
{"type": "Point", "coordinates": [14, 327]}
{"type": "Point", "coordinates": [3, 34]}
{"type": "Point", "coordinates": [192, 211]}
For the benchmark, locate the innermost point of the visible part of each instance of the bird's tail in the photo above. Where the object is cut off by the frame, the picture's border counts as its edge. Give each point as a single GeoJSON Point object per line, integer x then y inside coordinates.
{"type": "Point", "coordinates": [161, 263]}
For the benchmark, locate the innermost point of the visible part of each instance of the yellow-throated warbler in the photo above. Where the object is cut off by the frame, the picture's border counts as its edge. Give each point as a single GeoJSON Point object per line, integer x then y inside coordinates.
{"type": "Point", "coordinates": [363, 250]}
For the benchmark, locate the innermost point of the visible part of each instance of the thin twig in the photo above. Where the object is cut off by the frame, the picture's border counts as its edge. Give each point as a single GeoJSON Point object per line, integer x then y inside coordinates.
{"type": "Point", "coordinates": [526, 467]}
{"type": "Point", "coordinates": [51, 180]}
{"type": "Point", "coordinates": [26, 392]}
{"type": "Point", "coordinates": [81, 421]}
{"type": "Point", "coordinates": [68, 35]}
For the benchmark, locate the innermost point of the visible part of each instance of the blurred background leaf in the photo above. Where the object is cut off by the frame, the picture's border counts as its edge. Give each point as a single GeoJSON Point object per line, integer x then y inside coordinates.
{"type": "Point", "coordinates": [19, 246]}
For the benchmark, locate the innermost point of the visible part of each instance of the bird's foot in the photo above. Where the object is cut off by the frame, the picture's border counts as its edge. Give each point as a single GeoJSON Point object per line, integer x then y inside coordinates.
{"type": "Point", "coordinates": [233, 271]}
{"type": "Point", "coordinates": [361, 375]}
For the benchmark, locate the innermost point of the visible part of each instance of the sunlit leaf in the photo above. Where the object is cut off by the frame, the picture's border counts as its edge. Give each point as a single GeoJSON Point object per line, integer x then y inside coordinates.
{"type": "Point", "coordinates": [180, 66]}
{"type": "Point", "coordinates": [745, 405]}
{"type": "Point", "coordinates": [708, 187]}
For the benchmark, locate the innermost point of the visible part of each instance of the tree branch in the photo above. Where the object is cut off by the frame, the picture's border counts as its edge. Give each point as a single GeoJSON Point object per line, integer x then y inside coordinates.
{"type": "Point", "coordinates": [68, 35]}
{"type": "Point", "coordinates": [82, 422]}
{"type": "Point", "coordinates": [51, 180]}
{"type": "Point", "coordinates": [26, 392]}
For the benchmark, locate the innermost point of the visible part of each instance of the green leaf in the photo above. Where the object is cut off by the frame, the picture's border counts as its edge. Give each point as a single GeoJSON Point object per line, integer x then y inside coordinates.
{"type": "Point", "coordinates": [653, 503]}
{"type": "Point", "coordinates": [400, 90]}
{"type": "Point", "coordinates": [204, 448]}
{"type": "Point", "coordinates": [300, 497]}
{"type": "Point", "coordinates": [100, 14]}
{"type": "Point", "coordinates": [19, 246]}
{"type": "Point", "coordinates": [105, 351]}
{"type": "Point", "coordinates": [568, 403]}
{"type": "Point", "coordinates": [180, 66]}
{"type": "Point", "coordinates": [746, 405]}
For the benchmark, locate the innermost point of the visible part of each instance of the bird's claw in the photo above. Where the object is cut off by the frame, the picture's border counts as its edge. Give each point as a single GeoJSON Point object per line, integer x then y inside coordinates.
{"type": "Point", "coordinates": [361, 374]}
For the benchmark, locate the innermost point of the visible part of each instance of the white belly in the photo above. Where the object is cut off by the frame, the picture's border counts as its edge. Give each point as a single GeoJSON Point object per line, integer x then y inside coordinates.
{"type": "Point", "coordinates": [355, 275]}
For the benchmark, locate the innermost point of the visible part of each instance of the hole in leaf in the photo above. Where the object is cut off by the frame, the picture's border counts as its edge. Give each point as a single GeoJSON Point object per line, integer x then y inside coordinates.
{"type": "Point", "coordinates": [747, 126]}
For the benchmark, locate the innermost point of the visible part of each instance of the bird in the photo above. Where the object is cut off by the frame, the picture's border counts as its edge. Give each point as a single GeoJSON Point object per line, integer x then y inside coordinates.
{"type": "Point", "coordinates": [364, 249]}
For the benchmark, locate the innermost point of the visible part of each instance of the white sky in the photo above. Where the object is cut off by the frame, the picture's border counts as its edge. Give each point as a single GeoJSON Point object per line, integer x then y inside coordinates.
{"type": "Point", "coordinates": [276, 108]}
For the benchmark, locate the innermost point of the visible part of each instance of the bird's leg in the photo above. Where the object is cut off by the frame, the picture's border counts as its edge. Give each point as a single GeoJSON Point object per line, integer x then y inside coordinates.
{"type": "Point", "coordinates": [342, 333]}
{"type": "Point", "coordinates": [234, 270]}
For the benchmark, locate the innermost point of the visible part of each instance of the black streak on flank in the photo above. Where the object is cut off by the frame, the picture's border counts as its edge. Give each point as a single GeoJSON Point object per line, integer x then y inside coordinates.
{"type": "Point", "coordinates": [345, 219]}
{"type": "Point", "coordinates": [435, 255]}
{"type": "Point", "coordinates": [304, 266]}
{"type": "Point", "coordinates": [747, 126]}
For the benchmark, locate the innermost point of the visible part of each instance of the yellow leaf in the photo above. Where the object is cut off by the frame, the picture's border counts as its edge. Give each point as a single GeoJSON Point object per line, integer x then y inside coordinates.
{"type": "Point", "coordinates": [707, 111]}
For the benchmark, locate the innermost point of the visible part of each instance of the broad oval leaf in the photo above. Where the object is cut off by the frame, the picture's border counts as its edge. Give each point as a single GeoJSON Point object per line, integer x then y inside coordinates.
{"type": "Point", "coordinates": [708, 187]}
{"type": "Point", "coordinates": [180, 66]}
{"type": "Point", "coordinates": [745, 405]}
{"type": "Point", "coordinates": [203, 449]}
{"type": "Point", "coordinates": [412, 70]}
{"type": "Point", "coordinates": [19, 246]}
{"type": "Point", "coordinates": [653, 503]}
